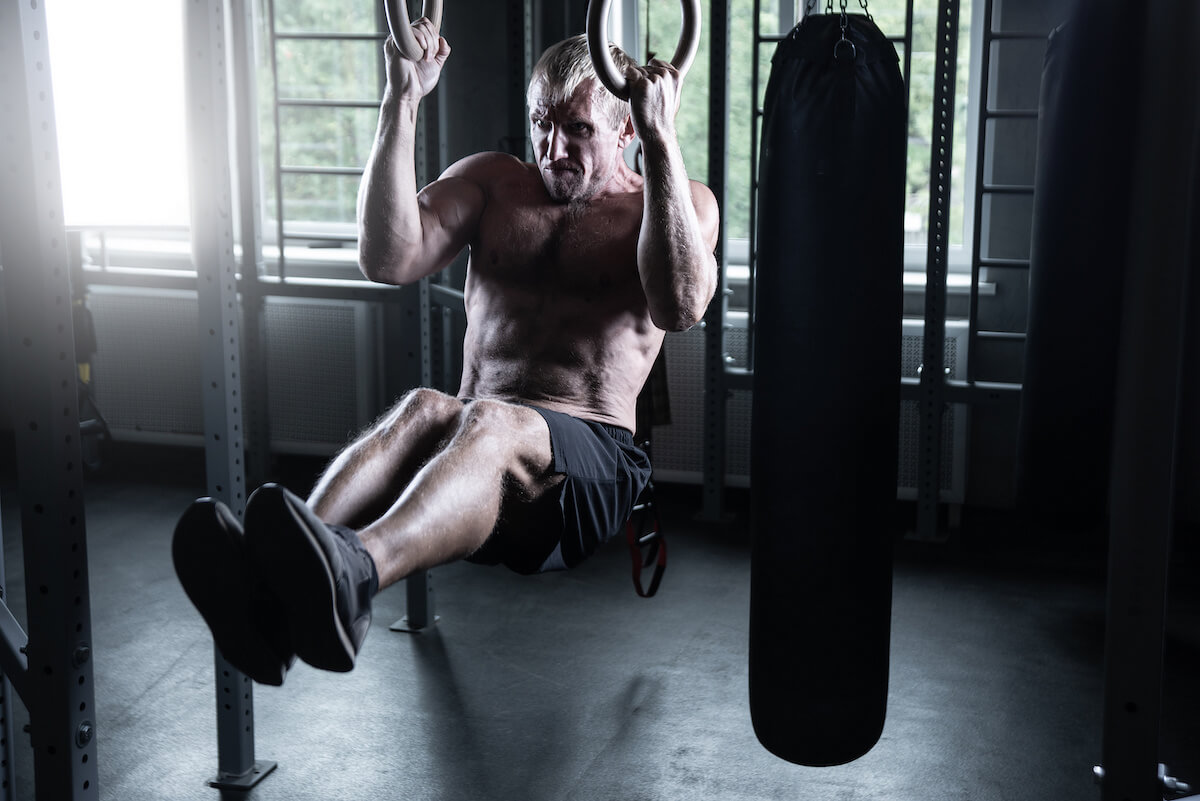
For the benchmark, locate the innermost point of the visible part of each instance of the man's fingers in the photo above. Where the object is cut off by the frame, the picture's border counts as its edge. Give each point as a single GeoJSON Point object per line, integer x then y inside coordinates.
{"type": "Point", "coordinates": [660, 67]}
{"type": "Point", "coordinates": [420, 30]}
{"type": "Point", "coordinates": [654, 71]}
{"type": "Point", "coordinates": [427, 38]}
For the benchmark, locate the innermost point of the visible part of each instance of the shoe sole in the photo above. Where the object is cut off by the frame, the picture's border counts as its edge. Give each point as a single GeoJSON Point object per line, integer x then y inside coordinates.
{"type": "Point", "coordinates": [210, 562]}
{"type": "Point", "coordinates": [297, 568]}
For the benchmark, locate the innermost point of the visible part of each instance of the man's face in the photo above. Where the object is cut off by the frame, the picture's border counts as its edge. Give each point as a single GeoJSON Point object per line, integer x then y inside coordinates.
{"type": "Point", "coordinates": [575, 147]}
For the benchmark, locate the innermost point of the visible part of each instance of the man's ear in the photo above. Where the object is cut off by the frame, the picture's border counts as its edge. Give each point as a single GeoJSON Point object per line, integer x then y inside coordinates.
{"type": "Point", "coordinates": [627, 132]}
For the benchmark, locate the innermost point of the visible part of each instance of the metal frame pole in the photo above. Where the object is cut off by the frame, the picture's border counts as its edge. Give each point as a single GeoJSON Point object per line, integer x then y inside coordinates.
{"type": "Point", "coordinates": [715, 378]}
{"type": "Point", "coordinates": [213, 254]}
{"type": "Point", "coordinates": [985, 69]}
{"type": "Point", "coordinates": [8, 776]}
{"type": "Point", "coordinates": [418, 598]}
{"type": "Point", "coordinates": [418, 588]}
{"type": "Point", "coordinates": [51, 669]}
{"type": "Point", "coordinates": [258, 423]}
{"type": "Point", "coordinates": [415, 311]}
{"type": "Point", "coordinates": [419, 325]}
{"type": "Point", "coordinates": [932, 395]}
{"type": "Point", "coordinates": [520, 65]}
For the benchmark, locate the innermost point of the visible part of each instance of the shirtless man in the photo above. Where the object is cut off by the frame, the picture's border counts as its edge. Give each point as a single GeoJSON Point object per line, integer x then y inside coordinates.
{"type": "Point", "coordinates": [577, 268]}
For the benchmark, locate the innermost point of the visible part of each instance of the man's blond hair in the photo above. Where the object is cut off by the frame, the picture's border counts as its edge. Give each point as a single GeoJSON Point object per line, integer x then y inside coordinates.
{"type": "Point", "coordinates": [566, 65]}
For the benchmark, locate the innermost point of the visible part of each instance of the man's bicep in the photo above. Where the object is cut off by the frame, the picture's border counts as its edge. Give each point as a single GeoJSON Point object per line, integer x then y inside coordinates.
{"type": "Point", "coordinates": [450, 210]}
{"type": "Point", "coordinates": [708, 214]}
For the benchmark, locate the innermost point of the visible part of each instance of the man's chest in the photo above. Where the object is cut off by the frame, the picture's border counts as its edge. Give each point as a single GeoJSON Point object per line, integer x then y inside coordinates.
{"type": "Point", "coordinates": [587, 248]}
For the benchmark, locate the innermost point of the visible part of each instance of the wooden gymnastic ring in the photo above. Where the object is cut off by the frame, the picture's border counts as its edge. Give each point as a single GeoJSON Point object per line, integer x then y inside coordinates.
{"type": "Point", "coordinates": [399, 25]}
{"type": "Point", "coordinates": [602, 60]}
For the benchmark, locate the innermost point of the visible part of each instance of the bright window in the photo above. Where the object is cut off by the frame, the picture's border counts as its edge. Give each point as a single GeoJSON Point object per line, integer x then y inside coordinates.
{"type": "Point", "coordinates": [118, 73]}
{"type": "Point", "coordinates": [661, 18]}
{"type": "Point", "coordinates": [118, 97]}
{"type": "Point", "coordinates": [328, 70]}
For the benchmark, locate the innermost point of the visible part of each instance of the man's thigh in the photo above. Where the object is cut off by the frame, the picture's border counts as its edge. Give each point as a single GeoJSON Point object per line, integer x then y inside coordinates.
{"type": "Point", "coordinates": [596, 476]}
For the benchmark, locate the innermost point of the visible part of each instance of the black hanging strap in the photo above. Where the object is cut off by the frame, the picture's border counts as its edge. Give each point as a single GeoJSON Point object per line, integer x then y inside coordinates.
{"type": "Point", "coordinates": [646, 547]}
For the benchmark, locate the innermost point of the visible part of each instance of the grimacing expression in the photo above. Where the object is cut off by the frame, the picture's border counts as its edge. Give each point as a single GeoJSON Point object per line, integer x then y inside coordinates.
{"type": "Point", "coordinates": [575, 146]}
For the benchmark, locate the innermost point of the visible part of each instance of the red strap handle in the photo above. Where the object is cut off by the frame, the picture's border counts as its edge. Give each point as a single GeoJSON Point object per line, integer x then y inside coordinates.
{"type": "Point", "coordinates": [656, 553]}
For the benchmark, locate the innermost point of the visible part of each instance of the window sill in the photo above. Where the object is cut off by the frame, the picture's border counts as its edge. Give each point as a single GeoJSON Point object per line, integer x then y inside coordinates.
{"type": "Point", "coordinates": [125, 256]}
{"type": "Point", "coordinates": [956, 284]}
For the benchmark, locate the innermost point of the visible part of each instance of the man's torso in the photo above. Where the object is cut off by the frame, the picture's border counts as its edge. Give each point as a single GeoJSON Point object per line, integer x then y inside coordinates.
{"type": "Point", "coordinates": [556, 312]}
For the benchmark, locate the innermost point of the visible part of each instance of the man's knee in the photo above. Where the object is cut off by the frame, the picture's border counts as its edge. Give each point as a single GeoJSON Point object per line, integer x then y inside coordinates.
{"type": "Point", "coordinates": [420, 410]}
{"type": "Point", "coordinates": [428, 405]}
{"type": "Point", "coordinates": [430, 402]}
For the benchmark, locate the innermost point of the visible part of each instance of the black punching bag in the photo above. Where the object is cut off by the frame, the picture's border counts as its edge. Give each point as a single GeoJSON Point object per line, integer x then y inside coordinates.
{"type": "Point", "coordinates": [826, 390]}
{"type": "Point", "coordinates": [1082, 186]}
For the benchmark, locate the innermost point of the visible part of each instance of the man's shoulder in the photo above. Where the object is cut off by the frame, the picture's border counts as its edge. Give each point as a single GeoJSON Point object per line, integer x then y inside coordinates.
{"type": "Point", "coordinates": [489, 167]}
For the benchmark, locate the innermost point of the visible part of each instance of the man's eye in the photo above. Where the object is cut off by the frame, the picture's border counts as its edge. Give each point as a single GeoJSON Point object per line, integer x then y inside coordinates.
{"type": "Point", "coordinates": [540, 123]}
{"type": "Point", "coordinates": [581, 128]}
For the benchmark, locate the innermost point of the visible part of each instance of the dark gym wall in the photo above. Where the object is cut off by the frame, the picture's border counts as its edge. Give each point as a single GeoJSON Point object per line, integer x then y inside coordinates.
{"type": "Point", "coordinates": [1016, 78]}
{"type": "Point", "coordinates": [1187, 487]}
{"type": "Point", "coordinates": [1015, 81]}
{"type": "Point", "coordinates": [485, 78]}
{"type": "Point", "coordinates": [555, 20]}
{"type": "Point", "coordinates": [474, 86]}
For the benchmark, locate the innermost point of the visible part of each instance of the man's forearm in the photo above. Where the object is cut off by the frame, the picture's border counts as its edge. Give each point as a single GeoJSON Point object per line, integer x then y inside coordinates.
{"type": "Point", "coordinates": [389, 219]}
{"type": "Point", "coordinates": [676, 263]}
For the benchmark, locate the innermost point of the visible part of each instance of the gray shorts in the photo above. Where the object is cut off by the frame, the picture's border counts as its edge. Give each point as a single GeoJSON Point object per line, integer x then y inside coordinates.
{"type": "Point", "coordinates": [604, 475]}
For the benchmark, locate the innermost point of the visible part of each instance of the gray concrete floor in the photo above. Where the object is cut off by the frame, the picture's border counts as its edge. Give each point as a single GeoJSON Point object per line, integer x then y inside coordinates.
{"type": "Point", "coordinates": [569, 687]}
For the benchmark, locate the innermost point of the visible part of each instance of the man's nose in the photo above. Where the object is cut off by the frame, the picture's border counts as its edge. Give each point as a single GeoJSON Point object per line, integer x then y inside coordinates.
{"type": "Point", "coordinates": [557, 144]}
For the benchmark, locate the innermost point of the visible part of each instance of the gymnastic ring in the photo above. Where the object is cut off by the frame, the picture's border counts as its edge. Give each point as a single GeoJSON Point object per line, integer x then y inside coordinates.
{"type": "Point", "coordinates": [401, 28]}
{"type": "Point", "coordinates": [602, 60]}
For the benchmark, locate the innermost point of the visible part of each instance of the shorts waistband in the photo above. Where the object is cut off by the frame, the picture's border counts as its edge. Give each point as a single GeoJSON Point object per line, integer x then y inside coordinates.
{"type": "Point", "coordinates": [621, 435]}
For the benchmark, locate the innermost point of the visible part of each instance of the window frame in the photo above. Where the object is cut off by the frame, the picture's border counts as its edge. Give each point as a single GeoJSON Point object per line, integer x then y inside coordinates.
{"type": "Point", "coordinates": [314, 261]}
{"type": "Point", "coordinates": [959, 257]}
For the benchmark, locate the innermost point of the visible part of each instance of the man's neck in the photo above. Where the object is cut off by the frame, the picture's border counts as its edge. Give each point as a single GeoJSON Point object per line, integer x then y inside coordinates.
{"type": "Point", "coordinates": [624, 181]}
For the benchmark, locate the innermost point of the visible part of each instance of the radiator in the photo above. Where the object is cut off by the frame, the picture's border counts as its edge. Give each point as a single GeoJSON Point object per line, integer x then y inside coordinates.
{"type": "Point", "coordinates": [677, 448]}
{"type": "Point", "coordinates": [321, 370]}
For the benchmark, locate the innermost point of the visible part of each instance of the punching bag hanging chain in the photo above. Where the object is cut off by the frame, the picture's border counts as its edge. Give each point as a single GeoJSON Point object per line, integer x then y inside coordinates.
{"type": "Point", "coordinates": [843, 22]}
{"type": "Point", "coordinates": [808, 9]}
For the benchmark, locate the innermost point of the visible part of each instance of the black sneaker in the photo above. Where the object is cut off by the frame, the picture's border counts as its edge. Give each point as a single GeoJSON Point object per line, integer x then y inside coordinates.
{"type": "Point", "coordinates": [321, 573]}
{"type": "Point", "coordinates": [246, 621]}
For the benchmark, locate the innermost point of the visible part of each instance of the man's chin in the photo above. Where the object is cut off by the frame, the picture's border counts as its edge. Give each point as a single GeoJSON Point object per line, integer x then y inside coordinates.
{"type": "Point", "coordinates": [561, 191]}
